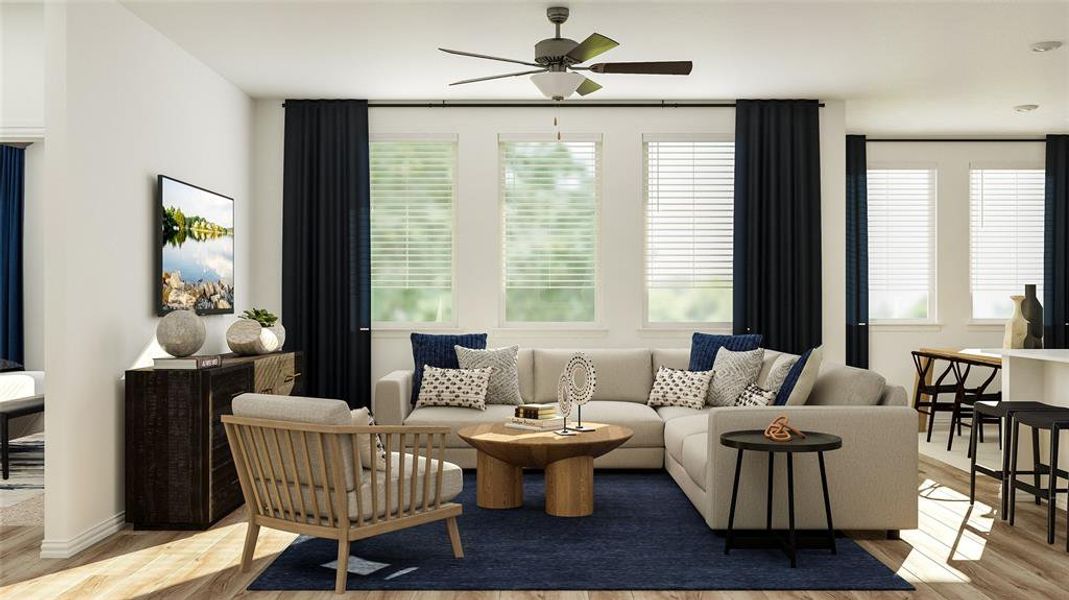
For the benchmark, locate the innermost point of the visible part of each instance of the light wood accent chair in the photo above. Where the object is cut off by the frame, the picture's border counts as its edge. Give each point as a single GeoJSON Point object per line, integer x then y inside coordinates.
{"type": "Point", "coordinates": [310, 478]}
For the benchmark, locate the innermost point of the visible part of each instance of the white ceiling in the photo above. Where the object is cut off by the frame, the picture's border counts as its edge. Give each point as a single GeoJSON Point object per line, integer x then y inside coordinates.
{"type": "Point", "coordinates": [903, 67]}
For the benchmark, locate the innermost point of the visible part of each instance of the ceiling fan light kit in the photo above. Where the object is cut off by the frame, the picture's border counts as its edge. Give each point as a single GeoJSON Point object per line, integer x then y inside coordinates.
{"type": "Point", "coordinates": [558, 59]}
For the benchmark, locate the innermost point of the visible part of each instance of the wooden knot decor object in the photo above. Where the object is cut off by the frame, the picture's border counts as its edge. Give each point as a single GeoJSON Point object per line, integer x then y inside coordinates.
{"type": "Point", "coordinates": [779, 430]}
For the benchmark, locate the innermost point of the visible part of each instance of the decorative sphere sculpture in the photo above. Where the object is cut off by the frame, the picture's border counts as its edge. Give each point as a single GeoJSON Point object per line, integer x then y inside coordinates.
{"type": "Point", "coordinates": [180, 333]}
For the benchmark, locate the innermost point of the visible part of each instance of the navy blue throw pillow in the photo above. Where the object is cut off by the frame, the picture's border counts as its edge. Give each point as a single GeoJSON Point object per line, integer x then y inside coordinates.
{"type": "Point", "coordinates": [703, 347]}
{"type": "Point", "coordinates": [792, 378]}
{"type": "Point", "coordinates": [438, 351]}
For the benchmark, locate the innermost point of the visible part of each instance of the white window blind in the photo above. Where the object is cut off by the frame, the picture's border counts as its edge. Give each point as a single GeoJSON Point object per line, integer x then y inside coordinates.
{"type": "Point", "coordinates": [901, 205]}
{"type": "Point", "coordinates": [690, 199]}
{"type": "Point", "coordinates": [549, 193]}
{"type": "Point", "coordinates": [1006, 237]}
{"type": "Point", "coordinates": [412, 196]}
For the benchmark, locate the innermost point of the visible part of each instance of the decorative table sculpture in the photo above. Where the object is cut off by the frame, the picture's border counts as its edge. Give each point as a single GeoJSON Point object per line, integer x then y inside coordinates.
{"type": "Point", "coordinates": [1016, 326]}
{"type": "Point", "coordinates": [257, 331]}
{"type": "Point", "coordinates": [564, 404]}
{"type": "Point", "coordinates": [582, 379]}
{"type": "Point", "coordinates": [1033, 313]}
{"type": "Point", "coordinates": [180, 333]}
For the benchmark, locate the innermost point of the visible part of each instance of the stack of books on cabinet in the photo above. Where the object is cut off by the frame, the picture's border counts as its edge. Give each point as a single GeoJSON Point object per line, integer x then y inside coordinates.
{"type": "Point", "coordinates": [536, 417]}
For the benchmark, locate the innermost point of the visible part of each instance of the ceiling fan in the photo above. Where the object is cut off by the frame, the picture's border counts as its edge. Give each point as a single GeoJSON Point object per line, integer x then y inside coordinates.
{"type": "Point", "coordinates": [559, 58]}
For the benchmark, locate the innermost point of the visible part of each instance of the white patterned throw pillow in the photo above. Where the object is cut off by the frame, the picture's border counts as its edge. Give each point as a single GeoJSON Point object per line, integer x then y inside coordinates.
{"type": "Point", "coordinates": [504, 387]}
{"type": "Point", "coordinates": [463, 388]}
{"type": "Point", "coordinates": [732, 372]}
{"type": "Point", "coordinates": [362, 418]}
{"type": "Point", "coordinates": [755, 396]}
{"type": "Point", "coordinates": [778, 371]}
{"type": "Point", "coordinates": [675, 387]}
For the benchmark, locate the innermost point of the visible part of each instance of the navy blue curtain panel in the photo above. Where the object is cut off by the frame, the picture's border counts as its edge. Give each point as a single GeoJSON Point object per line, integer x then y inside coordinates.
{"type": "Point", "coordinates": [326, 249]}
{"type": "Point", "coordinates": [12, 187]}
{"type": "Point", "coordinates": [777, 270]}
{"type": "Point", "coordinates": [857, 253]}
{"type": "Point", "coordinates": [1056, 245]}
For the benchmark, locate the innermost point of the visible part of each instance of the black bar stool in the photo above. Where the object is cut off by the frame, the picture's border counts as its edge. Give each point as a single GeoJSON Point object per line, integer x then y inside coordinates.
{"type": "Point", "coordinates": [1054, 421]}
{"type": "Point", "coordinates": [1002, 411]}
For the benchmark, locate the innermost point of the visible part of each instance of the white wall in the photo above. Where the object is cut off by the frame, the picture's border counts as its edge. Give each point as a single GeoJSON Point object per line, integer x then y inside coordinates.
{"type": "Point", "coordinates": [890, 345]}
{"type": "Point", "coordinates": [123, 104]}
{"type": "Point", "coordinates": [21, 70]}
{"type": "Point", "coordinates": [478, 217]}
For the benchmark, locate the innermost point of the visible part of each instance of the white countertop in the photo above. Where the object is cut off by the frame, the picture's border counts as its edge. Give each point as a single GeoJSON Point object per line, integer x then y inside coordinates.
{"type": "Point", "coordinates": [1060, 355]}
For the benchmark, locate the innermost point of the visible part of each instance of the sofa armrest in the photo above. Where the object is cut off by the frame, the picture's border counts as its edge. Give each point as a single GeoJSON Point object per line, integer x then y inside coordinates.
{"type": "Point", "coordinates": [872, 479]}
{"type": "Point", "coordinates": [392, 400]}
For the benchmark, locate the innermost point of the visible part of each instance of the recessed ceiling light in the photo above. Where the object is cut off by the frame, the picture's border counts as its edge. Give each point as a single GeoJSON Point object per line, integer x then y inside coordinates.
{"type": "Point", "coordinates": [1023, 108]}
{"type": "Point", "coordinates": [1046, 46]}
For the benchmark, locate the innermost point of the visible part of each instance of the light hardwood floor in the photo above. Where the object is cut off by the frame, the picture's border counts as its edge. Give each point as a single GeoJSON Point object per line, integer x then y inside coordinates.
{"type": "Point", "coordinates": [957, 553]}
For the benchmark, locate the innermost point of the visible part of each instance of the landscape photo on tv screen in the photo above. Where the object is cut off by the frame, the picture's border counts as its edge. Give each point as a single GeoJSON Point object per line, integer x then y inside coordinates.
{"type": "Point", "coordinates": [196, 249]}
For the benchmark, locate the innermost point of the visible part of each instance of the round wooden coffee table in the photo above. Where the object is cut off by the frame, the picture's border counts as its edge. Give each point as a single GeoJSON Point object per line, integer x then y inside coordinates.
{"type": "Point", "coordinates": [568, 461]}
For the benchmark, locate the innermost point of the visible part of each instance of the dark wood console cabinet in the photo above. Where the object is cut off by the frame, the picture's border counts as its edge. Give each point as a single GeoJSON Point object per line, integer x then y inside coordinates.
{"type": "Point", "coordinates": [179, 470]}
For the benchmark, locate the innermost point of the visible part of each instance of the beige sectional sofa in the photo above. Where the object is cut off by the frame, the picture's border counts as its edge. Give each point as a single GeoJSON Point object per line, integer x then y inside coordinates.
{"type": "Point", "coordinates": [872, 479]}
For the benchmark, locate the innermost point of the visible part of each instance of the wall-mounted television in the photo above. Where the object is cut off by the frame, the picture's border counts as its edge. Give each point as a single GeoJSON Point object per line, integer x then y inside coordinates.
{"type": "Point", "coordinates": [196, 245]}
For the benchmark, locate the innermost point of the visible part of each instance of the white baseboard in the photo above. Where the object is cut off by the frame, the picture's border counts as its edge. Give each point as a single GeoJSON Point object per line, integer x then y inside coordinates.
{"type": "Point", "coordinates": [69, 547]}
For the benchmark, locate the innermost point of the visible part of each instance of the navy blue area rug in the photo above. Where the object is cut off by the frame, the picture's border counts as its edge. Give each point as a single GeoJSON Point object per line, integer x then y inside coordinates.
{"type": "Point", "coordinates": [644, 535]}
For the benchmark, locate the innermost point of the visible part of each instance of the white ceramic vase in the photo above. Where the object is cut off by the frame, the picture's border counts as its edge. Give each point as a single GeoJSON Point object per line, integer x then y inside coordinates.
{"type": "Point", "coordinates": [1016, 326]}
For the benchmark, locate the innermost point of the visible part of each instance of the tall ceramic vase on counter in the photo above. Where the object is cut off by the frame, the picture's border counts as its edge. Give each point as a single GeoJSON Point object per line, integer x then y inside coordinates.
{"type": "Point", "coordinates": [1033, 313]}
{"type": "Point", "coordinates": [1016, 327]}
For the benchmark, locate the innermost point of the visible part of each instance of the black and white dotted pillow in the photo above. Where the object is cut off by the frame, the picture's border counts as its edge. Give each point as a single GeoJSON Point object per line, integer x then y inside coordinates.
{"type": "Point", "coordinates": [755, 396]}
{"type": "Point", "coordinates": [464, 388]}
{"type": "Point", "coordinates": [675, 387]}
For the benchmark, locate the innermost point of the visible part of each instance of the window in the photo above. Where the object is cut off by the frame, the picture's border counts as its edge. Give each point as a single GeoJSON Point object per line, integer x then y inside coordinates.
{"type": "Point", "coordinates": [549, 193]}
{"type": "Point", "coordinates": [412, 191]}
{"type": "Point", "coordinates": [1006, 237]}
{"type": "Point", "coordinates": [901, 209]}
{"type": "Point", "coordinates": [690, 201]}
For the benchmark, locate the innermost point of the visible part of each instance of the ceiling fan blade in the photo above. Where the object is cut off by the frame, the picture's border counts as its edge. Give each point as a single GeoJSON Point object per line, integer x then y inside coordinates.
{"type": "Point", "coordinates": [488, 57]}
{"type": "Point", "coordinates": [592, 46]}
{"type": "Point", "coordinates": [679, 67]}
{"type": "Point", "coordinates": [498, 76]}
{"type": "Point", "coordinates": [589, 86]}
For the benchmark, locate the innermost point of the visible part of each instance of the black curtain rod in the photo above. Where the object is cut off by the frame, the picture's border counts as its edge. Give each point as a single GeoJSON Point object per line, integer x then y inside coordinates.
{"type": "Point", "coordinates": [1025, 140]}
{"type": "Point", "coordinates": [444, 104]}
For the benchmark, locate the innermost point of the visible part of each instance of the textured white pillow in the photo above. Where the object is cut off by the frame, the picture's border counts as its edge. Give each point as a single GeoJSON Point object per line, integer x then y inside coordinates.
{"type": "Point", "coordinates": [504, 387]}
{"type": "Point", "coordinates": [732, 372]}
{"type": "Point", "coordinates": [675, 387]}
{"type": "Point", "coordinates": [362, 418]}
{"type": "Point", "coordinates": [778, 371]}
{"type": "Point", "coordinates": [463, 388]}
{"type": "Point", "coordinates": [808, 377]}
{"type": "Point", "coordinates": [755, 396]}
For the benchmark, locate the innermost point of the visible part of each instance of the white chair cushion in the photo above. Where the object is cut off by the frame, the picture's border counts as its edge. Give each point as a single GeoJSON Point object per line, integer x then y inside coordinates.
{"type": "Point", "coordinates": [452, 485]}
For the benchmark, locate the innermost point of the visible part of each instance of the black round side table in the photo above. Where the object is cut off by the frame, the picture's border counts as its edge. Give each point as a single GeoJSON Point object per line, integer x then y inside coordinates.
{"type": "Point", "coordinates": [755, 441]}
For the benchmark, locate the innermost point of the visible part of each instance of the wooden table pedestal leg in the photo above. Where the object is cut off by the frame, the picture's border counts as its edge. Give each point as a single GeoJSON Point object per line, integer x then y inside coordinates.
{"type": "Point", "coordinates": [570, 487]}
{"type": "Point", "coordinates": [498, 484]}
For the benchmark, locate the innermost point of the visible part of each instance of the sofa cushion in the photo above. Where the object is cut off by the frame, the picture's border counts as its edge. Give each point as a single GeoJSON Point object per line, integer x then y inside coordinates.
{"type": "Point", "coordinates": [847, 386]}
{"type": "Point", "coordinates": [456, 418]}
{"type": "Point", "coordinates": [667, 413]}
{"type": "Point", "coordinates": [677, 430]}
{"type": "Point", "coordinates": [438, 351]}
{"type": "Point", "coordinates": [695, 456]}
{"type": "Point", "coordinates": [703, 347]}
{"type": "Point", "coordinates": [673, 358]}
{"type": "Point", "coordinates": [525, 370]}
{"type": "Point", "coordinates": [623, 374]}
{"type": "Point", "coordinates": [639, 418]}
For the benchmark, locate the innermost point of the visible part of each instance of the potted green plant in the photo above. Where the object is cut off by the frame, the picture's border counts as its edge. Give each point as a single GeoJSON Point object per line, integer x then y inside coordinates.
{"type": "Point", "coordinates": [257, 331]}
